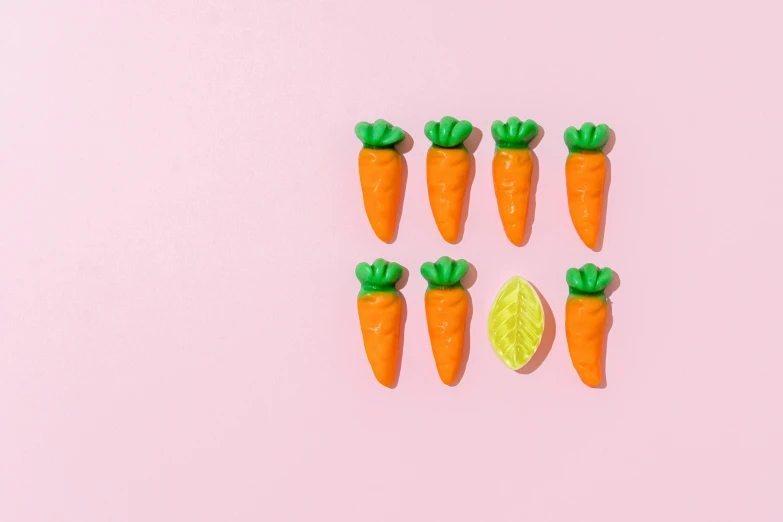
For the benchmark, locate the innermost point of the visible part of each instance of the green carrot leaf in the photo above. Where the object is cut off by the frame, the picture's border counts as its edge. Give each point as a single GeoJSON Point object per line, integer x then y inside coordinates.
{"type": "Point", "coordinates": [515, 133]}
{"type": "Point", "coordinates": [605, 276]}
{"type": "Point", "coordinates": [445, 272]}
{"type": "Point", "coordinates": [363, 273]}
{"type": "Point", "coordinates": [600, 137]}
{"type": "Point", "coordinates": [448, 132]}
{"type": "Point", "coordinates": [362, 131]}
{"type": "Point", "coordinates": [393, 274]}
{"type": "Point", "coordinates": [381, 276]}
{"type": "Point", "coordinates": [590, 275]}
{"type": "Point", "coordinates": [460, 270]}
{"type": "Point", "coordinates": [571, 137]}
{"type": "Point", "coordinates": [460, 132]}
{"type": "Point", "coordinates": [574, 278]}
{"type": "Point", "coordinates": [587, 131]}
{"type": "Point", "coordinates": [444, 266]}
{"type": "Point", "coordinates": [513, 125]}
{"type": "Point", "coordinates": [393, 135]}
{"type": "Point", "coordinates": [528, 131]}
{"type": "Point", "coordinates": [378, 130]}
{"type": "Point", "coordinates": [499, 130]}
{"type": "Point", "coordinates": [378, 135]}
{"type": "Point", "coordinates": [447, 124]}
{"type": "Point", "coordinates": [589, 138]}
{"type": "Point", "coordinates": [588, 280]}
{"type": "Point", "coordinates": [431, 131]}
{"type": "Point", "coordinates": [429, 271]}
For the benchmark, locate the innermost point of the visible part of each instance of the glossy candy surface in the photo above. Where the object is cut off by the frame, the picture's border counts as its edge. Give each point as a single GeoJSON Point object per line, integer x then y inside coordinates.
{"type": "Point", "coordinates": [586, 315]}
{"type": "Point", "coordinates": [516, 323]}
{"type": "Point", "coordinates": [446, 305]}
{"type": "Point", "coordinates": [448, 168]}
{"type": "Point", "coordinates": [380, 174]}
{"type": "Point", "coordinates": [380, 311]}
{"type": "Point", "coordinates": [512, 172]}
{"type": "Point", "coordinates": [585, 179]}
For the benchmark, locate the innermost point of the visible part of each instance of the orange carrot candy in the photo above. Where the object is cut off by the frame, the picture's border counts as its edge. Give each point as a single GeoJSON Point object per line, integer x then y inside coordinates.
{"type": "Point", "coordinates": [446, 306]}
{"type": "Point", "coordinates": [380, 311]}
{"type": "Point", "coordinates": [586, 313]}
{"type": "Point", "coordinates": [512, 171]}
{"type": "Point", "coordinates": [448, 166]}
{"type": "Point", "coordinates": [585, 177]}
{"type": "Point", "coordinates": [380, 173]}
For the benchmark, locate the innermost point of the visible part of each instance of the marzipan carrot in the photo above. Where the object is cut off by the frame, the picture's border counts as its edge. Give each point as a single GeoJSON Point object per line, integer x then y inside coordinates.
{"type": "Point", "coordinates": [586, 313]}
{"type": "Point", "coordinates": [448, 166]}
{"type": "Point", "coordinates": [585, 176]}
{"type": "Point", "coordinates": [380, 310]}
{"type": "Point", "coordinates": [446, 306]}
{"type": "Point", "coordinates": [512, 171]}
{"type": "Point", "coordinates": [380, 173]}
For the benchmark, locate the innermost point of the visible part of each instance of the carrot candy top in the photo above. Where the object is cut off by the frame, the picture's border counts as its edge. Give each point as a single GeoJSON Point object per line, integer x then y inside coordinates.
{"type": "Point", "coordinates": [449, 132]}
{"type": "Point", "coordinates": [590, 138]}
{"type": "Point", "coordinates": [381, 276]}
{"type": "Point", "coordinates": [444, 273]}
{"type": "Point", "coordinates": [515, 134]}
{"type": "Point", "coordinates": [378, 135]}
{"type": "Point", "coordinates": [588, 281]}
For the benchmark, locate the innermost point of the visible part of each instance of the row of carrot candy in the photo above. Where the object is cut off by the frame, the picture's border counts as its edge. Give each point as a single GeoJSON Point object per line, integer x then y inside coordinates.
{"type": "Point", "coordinates": [448, 167]}
{"type": "Point", "coordinates": [446, 307]}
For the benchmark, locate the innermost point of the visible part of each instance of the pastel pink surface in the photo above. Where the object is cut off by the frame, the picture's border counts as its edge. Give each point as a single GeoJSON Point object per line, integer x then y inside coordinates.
{"type": "Point", "coordinates": [180, 217]}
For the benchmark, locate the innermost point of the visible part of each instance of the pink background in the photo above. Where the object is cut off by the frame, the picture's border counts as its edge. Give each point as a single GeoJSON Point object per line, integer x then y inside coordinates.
{"type": "Point", "coordinates": [180, 217]}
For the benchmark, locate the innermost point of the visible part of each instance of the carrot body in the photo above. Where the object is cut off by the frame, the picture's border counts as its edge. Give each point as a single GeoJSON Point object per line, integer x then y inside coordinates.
{"type": "Point", "coordinates": [380, 313]}
{"type": "Point", "coordinates": [447, 312]}
{"type": "Point", "coordinates": [379, 317]}
{"type": "Point", "coordinates": [448, 166]}
{"type": "Point", "coordinates": [585, 177]}
{"type": "Point", "coordinates": [585, 326]}
{"type": "Point", "coordinates": [447, 180]}
{"type": "Point", "coordinates": [586, 313]}
{"type": "Point", "coordinates": [512, 171]}
{"type": "Point", "coordinates": [380, 173]}
{"type": "Point", "coordinates": [446, 305]}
